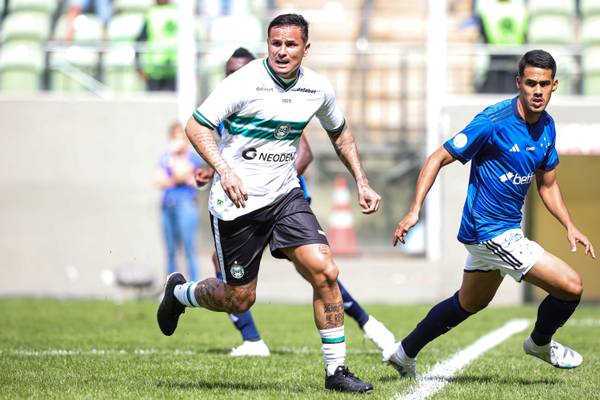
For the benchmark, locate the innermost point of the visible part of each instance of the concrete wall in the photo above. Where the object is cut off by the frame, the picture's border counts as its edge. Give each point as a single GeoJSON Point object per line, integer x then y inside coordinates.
{"type": "Point", "coordinates": [77, 201]}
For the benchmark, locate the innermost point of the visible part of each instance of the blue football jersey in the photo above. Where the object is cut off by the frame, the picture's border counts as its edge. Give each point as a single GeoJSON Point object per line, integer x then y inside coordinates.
{"type": "Point", "coordinates": [505, 152]}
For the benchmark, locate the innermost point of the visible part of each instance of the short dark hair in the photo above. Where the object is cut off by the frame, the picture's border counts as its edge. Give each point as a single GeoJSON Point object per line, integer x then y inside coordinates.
{"type": "Point", "coordinates": [242, 52]}
{"type": "Point", "coordinates": [290, 19]}
{"type": "Point", "coordinates": [537, 58]}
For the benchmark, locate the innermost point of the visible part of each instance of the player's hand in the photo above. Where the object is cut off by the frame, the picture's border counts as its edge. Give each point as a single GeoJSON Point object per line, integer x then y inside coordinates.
{"type": "Point", "coordinates": [409, 220]}
{"type": "Point", "coordinates": [368, 199]}
{"type": "Point", "coordinates": [234, 188]}
{"type": "Point", "coordinates": [575, 236]}
{"type": "Point", "coordinates": [203, 176]}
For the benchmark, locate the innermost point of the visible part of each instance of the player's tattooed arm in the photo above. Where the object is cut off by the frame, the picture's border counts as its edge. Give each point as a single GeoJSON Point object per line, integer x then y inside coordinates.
{"type": "Point", "coordinates": [334, 315]}
{"type": "Point", "coordinates": [204, 143]}
{"type": "Point", "coordinates": [346, 149]}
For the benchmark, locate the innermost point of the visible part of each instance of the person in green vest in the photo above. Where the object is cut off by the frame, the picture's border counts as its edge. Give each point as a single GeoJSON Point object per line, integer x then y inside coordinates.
{"type": "Point", "coordinates": [503, 23]}
{"type": "Point", "coordinates": [158, 63]}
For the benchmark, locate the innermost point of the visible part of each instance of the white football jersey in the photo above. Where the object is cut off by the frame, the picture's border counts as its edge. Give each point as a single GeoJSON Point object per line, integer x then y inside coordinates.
{"type": "Point", "coordinates": [263, 118]}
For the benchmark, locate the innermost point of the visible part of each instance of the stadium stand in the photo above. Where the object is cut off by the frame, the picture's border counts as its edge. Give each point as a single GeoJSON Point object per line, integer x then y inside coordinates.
{"type": "Point", "coordinates": [48, 7]}
{"type": "Point", "coordinates": [589, 8]}
{"type": "Point", "coordinates": [25, 26]}
{"type": "Point", "coordinates": [21, 67]}
{"type": "Point", "coordinates": [591, 71]}
{"type": "Point", "coordinates": [118, 62]}
{"type": "Point", "coordinates": [132, 6]}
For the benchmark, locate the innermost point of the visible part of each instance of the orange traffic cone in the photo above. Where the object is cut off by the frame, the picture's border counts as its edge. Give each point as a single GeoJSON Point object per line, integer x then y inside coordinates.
{"type": "Point", "coordinates": [341, 236]}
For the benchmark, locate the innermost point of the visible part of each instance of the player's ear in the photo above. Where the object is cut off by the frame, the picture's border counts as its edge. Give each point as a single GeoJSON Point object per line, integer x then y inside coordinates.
{"type": "Point", "coordinates": [306, 47]}
{"type": "Point", "coordinates": [554, 85]}
{"type": "Point", "coordinates": [518, 82]}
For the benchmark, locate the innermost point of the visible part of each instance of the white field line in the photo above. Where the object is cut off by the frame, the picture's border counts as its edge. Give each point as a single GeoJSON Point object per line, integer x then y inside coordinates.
{"type": "Point", "coordinates": [145, 352]}
{"type": "Point", "coordinates": [443, 372]}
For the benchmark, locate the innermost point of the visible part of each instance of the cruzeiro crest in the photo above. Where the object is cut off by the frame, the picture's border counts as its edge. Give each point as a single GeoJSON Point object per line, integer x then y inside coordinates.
{"type": "Point", "coordinates": [282, 131]}
{"type": "Point", "coordinates": [237, 271]}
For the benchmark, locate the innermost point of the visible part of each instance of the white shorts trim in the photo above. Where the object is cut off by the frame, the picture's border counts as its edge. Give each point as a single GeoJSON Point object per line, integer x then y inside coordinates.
{"type": "Point", "coordinates": [511, 253]}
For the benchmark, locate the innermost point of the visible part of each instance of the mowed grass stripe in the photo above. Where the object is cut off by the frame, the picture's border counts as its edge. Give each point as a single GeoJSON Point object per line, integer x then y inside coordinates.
{"type": "Point", "coordinates": [441, 373]}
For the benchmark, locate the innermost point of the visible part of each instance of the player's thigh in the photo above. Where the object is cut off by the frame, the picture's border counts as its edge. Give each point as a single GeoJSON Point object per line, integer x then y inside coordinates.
{"type": "Point", "coordinates": [313, 261]}
{"type": "Point", "coordinates": [478, 289]}
{"type": "Point", "coordinates": [556, 277]}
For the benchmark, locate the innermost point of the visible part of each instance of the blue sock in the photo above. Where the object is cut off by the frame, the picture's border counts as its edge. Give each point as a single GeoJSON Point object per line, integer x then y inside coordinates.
{"type": "Point", "coordinates": [244, 322]}
{"type": "Point", "coordinates": [552, 314]}
{"type": "Point", "coordinates": [352, 308]}
{"type": "Point", "coordinates": [440, 319]}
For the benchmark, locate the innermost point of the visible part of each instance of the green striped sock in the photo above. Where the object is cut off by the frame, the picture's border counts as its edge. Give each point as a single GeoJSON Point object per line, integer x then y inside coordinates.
{"type": "Point", "coordinates": [184, 293]}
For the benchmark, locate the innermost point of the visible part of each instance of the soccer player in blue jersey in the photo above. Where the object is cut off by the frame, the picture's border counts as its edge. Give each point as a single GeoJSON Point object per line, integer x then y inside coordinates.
{"type": "Point", "coordinates": [252, 344]}
{"type": "Point", "coordinates": [509, 144]}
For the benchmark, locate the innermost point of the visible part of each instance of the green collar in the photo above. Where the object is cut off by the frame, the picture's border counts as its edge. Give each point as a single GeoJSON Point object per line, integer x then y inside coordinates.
{"type": "Point", "coordinates": [277, 79]}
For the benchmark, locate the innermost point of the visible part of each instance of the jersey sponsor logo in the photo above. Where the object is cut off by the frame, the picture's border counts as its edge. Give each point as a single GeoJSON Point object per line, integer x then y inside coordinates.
{"type": "Point", "coordinates": [237, 271]}
{"type": "Point", "coordinates": [530, 148]}
{"type": "Point", "coordinates": [264, 89]}
{"type": "Point", "coordinates": [517, 179]}
{"type": "Point", "coordinates": [282, 131]}
{"type": "Point", "coordinates": [460, 140]}
{"type": "Point", "coordinates": [515, 149]}
{"type": "Point", "coordinates": [305, 90]}
{"type": "Point", "coordinates": [251, 153]}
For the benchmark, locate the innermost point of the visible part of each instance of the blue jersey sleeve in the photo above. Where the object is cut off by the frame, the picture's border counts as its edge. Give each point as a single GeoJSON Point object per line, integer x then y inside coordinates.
{"type": "Point", "coordinates": [550, 160]}
{"type": "Point", "coordinates": [467, 143]}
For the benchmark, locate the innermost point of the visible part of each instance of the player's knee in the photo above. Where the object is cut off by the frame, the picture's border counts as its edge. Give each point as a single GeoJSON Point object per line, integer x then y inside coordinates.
{"type": "Point", "coordinates": [327, 276]}
{"type": "Point", "coordinates": [574, 288]}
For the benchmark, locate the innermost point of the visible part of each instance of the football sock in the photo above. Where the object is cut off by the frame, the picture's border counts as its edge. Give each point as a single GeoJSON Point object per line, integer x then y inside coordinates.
{"type": "Point", "coordinates": [333, 347]}
{"type": "Point", "coordinates": [245, 324]}
{"type": "Point", "coordinates": [352, 308]}
{"type": "Point", "coordinates": [440, 319]}
{"type": "Point", "coordinates": [552, 314]}
{"type": "Point", "coordinates": [184, 293]}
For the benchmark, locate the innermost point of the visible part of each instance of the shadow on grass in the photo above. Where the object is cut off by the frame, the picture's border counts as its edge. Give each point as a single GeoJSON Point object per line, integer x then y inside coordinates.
{"type": "Point", "coordinates": [483, 379]}
{"type": "Point", "coordinates": [225, 385]}
{"type": "Point", "coordinates": [480, 379]}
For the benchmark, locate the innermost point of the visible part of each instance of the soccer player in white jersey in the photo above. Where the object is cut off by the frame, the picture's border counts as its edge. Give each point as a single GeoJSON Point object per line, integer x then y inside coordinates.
{"type": "Point", "coordinates": [255, 199]}
{"type": "Point", "coordinates": [508, 144]}
{"type": "Point", "coordinates": [252, 343]}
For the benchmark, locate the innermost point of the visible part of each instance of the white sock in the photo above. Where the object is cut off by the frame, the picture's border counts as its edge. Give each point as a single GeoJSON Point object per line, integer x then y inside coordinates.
{"type": "Point", "coordinates": [184, 293]}
{"type": "Point", "coordinates": [333, 348]}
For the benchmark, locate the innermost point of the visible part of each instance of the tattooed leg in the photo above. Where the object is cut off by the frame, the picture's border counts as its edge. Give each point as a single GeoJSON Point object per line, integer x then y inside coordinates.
{"type": "Point", "coordinates": [315, 264]}
{"type": "Point", "coordinates": [215, 295]}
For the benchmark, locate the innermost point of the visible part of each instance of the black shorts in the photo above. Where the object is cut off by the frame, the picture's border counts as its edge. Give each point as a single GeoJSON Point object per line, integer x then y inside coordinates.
{"type": "Point", "coordinates": [239, 243]}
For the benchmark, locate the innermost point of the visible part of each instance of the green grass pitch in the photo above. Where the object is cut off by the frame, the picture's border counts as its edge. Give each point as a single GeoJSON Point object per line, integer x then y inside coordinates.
{"type": "Point", "coordinates": [75, 349]}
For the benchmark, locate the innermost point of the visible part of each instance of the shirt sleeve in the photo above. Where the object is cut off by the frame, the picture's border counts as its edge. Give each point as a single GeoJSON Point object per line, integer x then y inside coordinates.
{"type": "Point", "coordinates": [329, 114]}
{"type": "Point", "coordinates": [550, 161]}
{"type": "Point", "coordinates": [467, 143]}
{"type": "Point", "coordinates": [226, 99]}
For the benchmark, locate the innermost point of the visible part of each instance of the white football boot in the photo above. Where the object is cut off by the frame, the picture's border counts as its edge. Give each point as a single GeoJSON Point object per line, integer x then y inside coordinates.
{"type": "Point", "coordinates": [381, 336]}
{"type": "Point", "coordinates": [251, 349]}
{"type": "Point", "coordinates": [553, 353]}
{"type": "Point", "coordinates": [406, 366]}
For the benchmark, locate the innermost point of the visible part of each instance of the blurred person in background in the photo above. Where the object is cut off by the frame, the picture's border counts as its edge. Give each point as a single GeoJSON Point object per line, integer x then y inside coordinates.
{"type": "Point", "coordinates": [252, 343]}
{"type": "Point", "coordinates": [509, 144]}
{"type": "Point", "coordinates": [102, 8]}
{"type": "Point", "coordinates": [158, 62]}
{"type": "Point", "coordinates": [502, 23]}
{"type": "Point", "coordinates": [255, 199]}
{"type": "Point", "coordinates": [175, 176]}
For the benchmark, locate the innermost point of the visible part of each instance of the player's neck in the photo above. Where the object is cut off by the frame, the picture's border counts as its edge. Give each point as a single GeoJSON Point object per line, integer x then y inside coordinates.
{"type": "Point", "coordinates": [528, 116]}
